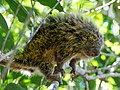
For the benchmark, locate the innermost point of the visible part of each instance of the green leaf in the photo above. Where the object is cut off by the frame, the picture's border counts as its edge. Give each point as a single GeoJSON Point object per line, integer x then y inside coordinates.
{"type": "Point", "coordinates": [35, 10]}
{"type": "Point", "coordinates": [22, 13]}
{"type": "Point", "coordinates": [3, 23]}
{"type": "Point", "coordinates": [51, 3]}
{"type": "Point", "coordinates": [79, 83]}
{"type": "Point", "coordinates": [91, 5]}
{"type": "Point", "coordinates": [116, 11]}
{"type": "Point", "coordinates": [1, 40]}
{"type": "Point", "coordinates": [117, 80]}
{"type": "Point", "coordinates": [36, 79]}
{"type": "Point", "coordinates": [10, 41]}
{"type": "Point", "coordinates": [0, 1]}
{"type": "Point", "coordinates": [13, 86]}
{"type": "Point", "coordinates": [92, 85]}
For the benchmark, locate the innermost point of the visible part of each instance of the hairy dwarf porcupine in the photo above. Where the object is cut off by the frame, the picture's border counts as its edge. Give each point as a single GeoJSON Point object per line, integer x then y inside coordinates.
{"type": "Point", "coordinates": [61, 38]}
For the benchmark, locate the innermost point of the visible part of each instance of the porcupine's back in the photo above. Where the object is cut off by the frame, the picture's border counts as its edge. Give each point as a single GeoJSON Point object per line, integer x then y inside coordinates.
{"type": "Point", "coordinates": [67, 35]}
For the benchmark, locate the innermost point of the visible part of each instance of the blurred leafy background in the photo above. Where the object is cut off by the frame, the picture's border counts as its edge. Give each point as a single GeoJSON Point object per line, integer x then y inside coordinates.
{"type": "Point", "coordinates": [104, 13]}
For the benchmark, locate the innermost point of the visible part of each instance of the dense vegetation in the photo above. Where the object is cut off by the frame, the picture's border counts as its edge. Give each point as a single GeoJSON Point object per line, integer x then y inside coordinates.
{"type": "Point", "coordinates": [18, 22]}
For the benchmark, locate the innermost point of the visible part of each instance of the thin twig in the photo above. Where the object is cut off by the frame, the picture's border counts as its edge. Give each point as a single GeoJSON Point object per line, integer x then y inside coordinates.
{"type": "Point", "coordinates": [86, 85]}
{"type": "Point", "coordinates": [18, 47]}
{"type": "Point", "coordinates": [15, 47]}
{"type": "Point", "coordinates": [107, 4]}
{"type": "Point", "coordinates": [100, 7]}
{"type": "Point", "coordinates": [11, 52]}
{"type": "Point", "coordinates": [105, 65]}
{"type": "Point", "coordinates": [102, 76]}
{"type": "Point", "coordinates": [44, 20]}
{"type": "Point", "coordinates": [83, 72]}
{"type": "Point", "coordinates": [8, 33]}
{"type": "Point", "coordinates": [33, 17]}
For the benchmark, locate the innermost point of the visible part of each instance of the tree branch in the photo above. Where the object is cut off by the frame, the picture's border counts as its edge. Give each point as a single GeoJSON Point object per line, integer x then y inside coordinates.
{"type": "Point", "coordinates": [102, 76]}
{"type": "Point", "coordinates": [84, 73]}
{"type": "Point", "coordinates": [100, 7]}
{"type": "Point", "coordinates": [54, 86]}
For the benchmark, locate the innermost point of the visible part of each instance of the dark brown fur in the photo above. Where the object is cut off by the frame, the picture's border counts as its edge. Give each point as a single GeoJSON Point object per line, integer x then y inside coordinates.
{"type": "Point", "coordinates": [62, 38]}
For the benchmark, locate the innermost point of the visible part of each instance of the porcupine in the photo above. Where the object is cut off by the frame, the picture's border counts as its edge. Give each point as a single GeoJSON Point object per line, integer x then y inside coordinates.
{"type": "Point", "coordinates": [62, 38]}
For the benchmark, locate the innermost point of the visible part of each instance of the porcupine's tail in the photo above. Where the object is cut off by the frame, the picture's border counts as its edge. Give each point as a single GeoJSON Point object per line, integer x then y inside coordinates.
{"type": "Point", "coordinates": [15, 66]}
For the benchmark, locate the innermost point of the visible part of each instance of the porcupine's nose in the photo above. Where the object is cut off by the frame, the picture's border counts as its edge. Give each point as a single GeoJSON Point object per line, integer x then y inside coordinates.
{"type": "Point", "coordinates": [96, 52]}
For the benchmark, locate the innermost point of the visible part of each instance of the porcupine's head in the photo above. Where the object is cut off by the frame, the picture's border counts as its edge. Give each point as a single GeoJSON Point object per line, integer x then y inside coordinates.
{"type": "Point", "coordinates": [91, 38]}
{"type": "Point", "coordinates": [82, 36]}
{"type": "Point", "coordinates": [88, 40]}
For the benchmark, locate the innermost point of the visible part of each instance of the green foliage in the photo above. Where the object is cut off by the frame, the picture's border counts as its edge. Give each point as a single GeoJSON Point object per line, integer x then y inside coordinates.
{"type": "Point", "coordinates": [12, 86]}
{"type": "Point", "coordinates": [51, 3]}
{"type": "Point", "coordinates": [36, 78]}
{"type": "Point", "coordinates": [79, 83]}
{"type": "Point", "coordinates": [3, 31]}
{"type": "Point", "coordinates": [107, 19]}
{"type": "Point", "coordinates": [22, 12]}
{"type": "Point", "coordinates": [3, 23]}
{"type": "Point", "coordinates": [116, 11]}
{"type": "Point", "coordinates": [9, 43]}
{"type": "Point", "coordinates": [92, 85]}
